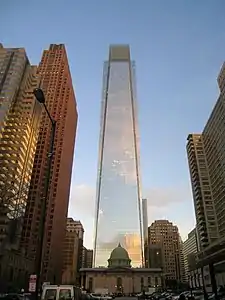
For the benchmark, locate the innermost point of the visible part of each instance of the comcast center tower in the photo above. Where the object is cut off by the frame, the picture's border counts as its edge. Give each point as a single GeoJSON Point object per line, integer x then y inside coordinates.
{"type": "Point", "coordinates": [118, 200]}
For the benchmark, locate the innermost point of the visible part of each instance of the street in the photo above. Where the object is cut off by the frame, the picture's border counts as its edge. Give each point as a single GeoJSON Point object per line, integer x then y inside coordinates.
{"type": "Point", "coordinates": [126, 298]}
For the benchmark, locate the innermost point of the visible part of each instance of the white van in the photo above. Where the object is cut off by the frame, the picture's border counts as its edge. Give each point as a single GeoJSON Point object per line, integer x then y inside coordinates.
{"type": "Point", "coordinates": [60, 292]}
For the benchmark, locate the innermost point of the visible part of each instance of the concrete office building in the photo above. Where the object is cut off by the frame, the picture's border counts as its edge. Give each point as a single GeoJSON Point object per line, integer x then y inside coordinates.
{"type": "Point", "coordinates": [182, 269]}
{"type": "Point", "coordinates": [214, 143]}
{"type": "Point", "coordinates": [165, 235]}
{"type": "Point", "coordinates": [145, 229]}
{"type": "Point", "coordinates": [56, 83]}
{"type": "Point", "coordinates": [154, 256]}
{"type": "Point", "coordinates": [145, 219]}
{"type": "Point", "coordinates": [207, 170]}
{"type": "Point", "coordinates": [87, 258]}
{"type": "Point", "coordinates": [202, 193]}
{"type": "Point", "coordinates": [19, 127]}
{"type": "Point", "coordinates": [190, 248]}
{"type": "Point", "coordinates": [79, 229]}
{"type": "Point", "coordinates": [70, 254]}
{"type": "Point", "coordinates": [74, 256]}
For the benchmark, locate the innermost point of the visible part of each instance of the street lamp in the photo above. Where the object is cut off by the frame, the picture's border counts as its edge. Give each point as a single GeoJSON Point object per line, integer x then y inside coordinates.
{"type": "Point", "coordinates": [40, 97]}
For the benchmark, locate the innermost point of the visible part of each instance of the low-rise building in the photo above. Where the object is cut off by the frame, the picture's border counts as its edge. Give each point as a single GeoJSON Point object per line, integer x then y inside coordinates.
{"type": "Point", "coordinates": [119, 276]}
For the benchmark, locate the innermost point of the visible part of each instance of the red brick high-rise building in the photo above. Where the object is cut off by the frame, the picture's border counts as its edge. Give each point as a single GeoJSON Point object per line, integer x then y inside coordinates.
{"type": "Point", "coordinates": [57, 85]}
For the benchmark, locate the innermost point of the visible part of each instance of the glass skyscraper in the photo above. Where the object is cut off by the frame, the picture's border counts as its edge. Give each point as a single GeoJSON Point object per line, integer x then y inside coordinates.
{"type": "Point", "coordinates": [118, 200]}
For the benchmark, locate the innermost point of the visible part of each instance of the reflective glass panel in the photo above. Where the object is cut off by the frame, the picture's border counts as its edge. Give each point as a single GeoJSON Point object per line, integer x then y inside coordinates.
{"type": "Point", "coordinates": [118, 217]}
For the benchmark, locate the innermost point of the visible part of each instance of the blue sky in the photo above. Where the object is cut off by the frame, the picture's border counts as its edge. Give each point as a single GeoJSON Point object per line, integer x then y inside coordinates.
{"type": "Point", "coordinates": [178, 46]}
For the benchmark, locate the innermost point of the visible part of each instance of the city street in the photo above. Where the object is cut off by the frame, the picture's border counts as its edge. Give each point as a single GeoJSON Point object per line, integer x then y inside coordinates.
{"type": "Point", "coordinates": [126, 298]}
{"type": "Point", "coordinates": [112, 161]}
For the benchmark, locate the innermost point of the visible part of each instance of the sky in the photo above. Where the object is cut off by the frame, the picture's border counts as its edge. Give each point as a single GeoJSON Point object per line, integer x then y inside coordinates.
{"type": "Point", "coordinates": [178, 46]}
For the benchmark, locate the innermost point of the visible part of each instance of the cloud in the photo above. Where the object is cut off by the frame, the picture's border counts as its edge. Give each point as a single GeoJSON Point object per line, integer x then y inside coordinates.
{"type": "Point", "coordinates": [82, 200]}
{"type": "Point", "coordinates": [162, 203]}
{"type": "Point", "coordinates": [82, 197]}
{"type": "Point", "coordinates": [165, 196]}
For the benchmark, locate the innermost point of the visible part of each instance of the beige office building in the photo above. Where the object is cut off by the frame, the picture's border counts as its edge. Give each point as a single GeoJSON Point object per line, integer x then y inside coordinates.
{"type": "Point", "coordinates": [87, 258]}
{"type": "Point", "coordinates": [79, 229]}
{"type": "Point", "coordinates": [214, 144]}
{"type": "Point", "coordinates": [202, 193]}
{"type": "Point", "coordinates": [19, 128]}
{"type": "Point", "coordinates": [206, 158]}
{"type": "Point", "coordinates": [182, 269]}
{"type": "Point", "coordinates": [70, 253]}
{"type": "Point", "coordinates": [165, 235]}
{"type": "Point", "coordinates": [190, 248]}
{"type": "Point", "coordinates": [73, 251]}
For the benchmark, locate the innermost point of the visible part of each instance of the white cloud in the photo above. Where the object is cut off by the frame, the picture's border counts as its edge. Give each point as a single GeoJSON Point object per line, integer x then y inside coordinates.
{"type": "Point", "coordinates": [161, 202]}
{"type": "Point", "coordinates": [165, 196]}
{"type": "Point", "coordinates": [82, 199]}
{"type": "Point", "coordinates": [81, 207]}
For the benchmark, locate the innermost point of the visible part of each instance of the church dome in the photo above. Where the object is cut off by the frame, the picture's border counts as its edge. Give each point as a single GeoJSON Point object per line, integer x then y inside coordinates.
{"type": "Point", "coordinates": [119, 253]}
{"type": "Point", "coordinates": [119, 257]}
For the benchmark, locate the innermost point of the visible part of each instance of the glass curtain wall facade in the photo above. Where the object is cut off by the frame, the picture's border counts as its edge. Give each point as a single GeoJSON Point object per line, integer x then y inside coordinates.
{"type": "Point", "coordinates": [118, 199]}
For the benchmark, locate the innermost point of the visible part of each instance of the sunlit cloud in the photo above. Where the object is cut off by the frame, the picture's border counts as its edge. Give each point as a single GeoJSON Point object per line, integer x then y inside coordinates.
{"type": "Point", "coordinates": [161, 201]}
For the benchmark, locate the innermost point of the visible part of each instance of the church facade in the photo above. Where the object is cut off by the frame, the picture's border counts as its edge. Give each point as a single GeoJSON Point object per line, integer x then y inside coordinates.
{"type": "Point", "coordinates": [119, 277]}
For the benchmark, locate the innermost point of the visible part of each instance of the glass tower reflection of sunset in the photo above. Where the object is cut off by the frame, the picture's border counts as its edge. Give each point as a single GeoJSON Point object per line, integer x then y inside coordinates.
{"type": "Point", "coordinates": [118, 203]}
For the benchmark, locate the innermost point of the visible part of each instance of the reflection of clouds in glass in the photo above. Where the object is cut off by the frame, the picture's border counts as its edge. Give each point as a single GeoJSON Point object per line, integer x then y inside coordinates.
{"type": "Point", "coordinates": [118, 193]}
{"type": "Point", "coordinates": [131, 242]}
{"type": "Point", "coordinates": [121, 142]}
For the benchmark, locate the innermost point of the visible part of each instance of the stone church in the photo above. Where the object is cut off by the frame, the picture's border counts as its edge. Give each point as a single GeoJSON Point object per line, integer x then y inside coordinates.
{"type": "Point", "coordinates": [119, 276]}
